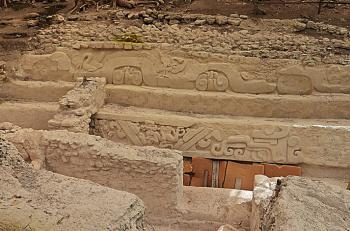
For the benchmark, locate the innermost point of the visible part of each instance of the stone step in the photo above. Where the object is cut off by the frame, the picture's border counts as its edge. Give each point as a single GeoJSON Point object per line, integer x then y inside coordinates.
{"type": "Point", "coordinates": [227, 103]}
{"type": "Point", "coordinates": [44, 91]}
{"type": "Point", "coordinates": [316, 142]}
{"type": "Point", "coordinates": [28, 114]}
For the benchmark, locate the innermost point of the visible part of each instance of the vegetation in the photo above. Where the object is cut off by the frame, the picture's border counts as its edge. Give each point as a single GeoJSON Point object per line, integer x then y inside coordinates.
{"type": "Point", "coordinates": [133, 38]}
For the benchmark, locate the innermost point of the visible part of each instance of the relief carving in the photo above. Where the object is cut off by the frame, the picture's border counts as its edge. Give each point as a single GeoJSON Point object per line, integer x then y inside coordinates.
{"type": "Point", "coordinates": [56, 66]}
{"type": "Point", "coordinates": [90, 62]}
{"type": "Point", "coordinates": [293, 81]}
{"type": "Point", "coordinates": [275, 146]}
{"type": "Point", "coordinates": [260, 147]}
{"type": "Point", "coordinates": [224, 71]}
{"type": "Point", "coordinates": [334, 79]}
{"type": "Point", "coordinates": [130, 70]}
{"type": "Point", "coordinates": [299, 80]}
{"type": "Point", "coordinates": [212, 81]}
{"type": "Point", "coordinates": [130, 75]}
{"type": "Point", "coordinates": [156, 69]}
{"type": "Point", "coordinates": [175, 65]}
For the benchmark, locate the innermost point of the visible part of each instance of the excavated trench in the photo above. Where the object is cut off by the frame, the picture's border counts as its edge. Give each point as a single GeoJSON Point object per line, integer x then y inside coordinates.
{"type": "Point", "coordinates": [200, 138]}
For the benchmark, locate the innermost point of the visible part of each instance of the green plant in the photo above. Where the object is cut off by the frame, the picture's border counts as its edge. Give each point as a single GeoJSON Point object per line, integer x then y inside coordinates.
{"type": "Point", "coordinates": [133, 38]}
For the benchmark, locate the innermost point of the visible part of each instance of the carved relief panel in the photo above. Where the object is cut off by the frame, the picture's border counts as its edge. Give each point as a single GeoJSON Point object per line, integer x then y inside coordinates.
{"type": "Point", "coordinates": [157, 68]}
{"type": "Point", "coordinates": [275, 146]}
{"type": "Point", "coordinates": [52, 67]}
{"type": "Point", "coordinates": [212, 81]}
{"type": "Point", "coordinates": [130, 75]}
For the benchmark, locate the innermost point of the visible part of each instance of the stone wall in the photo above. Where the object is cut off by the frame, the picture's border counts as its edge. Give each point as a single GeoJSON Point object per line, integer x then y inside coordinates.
{"type": "Point", "coordinates": [154, 175]}
{"type": "Point", "coordinates": [244, 139]}
{"type": "Point", "coordinates": [28, 114]}
{"type": "Point", "coordinates": [272, 39]}
{"type": "Point", "coordinates": [79, 104]}
{"type": "Point", "coordinates": [42, 200]}
{"type": "Point", "coordinates": [125, 63]}
{"type": "Point", "coordinates": [43, 91]}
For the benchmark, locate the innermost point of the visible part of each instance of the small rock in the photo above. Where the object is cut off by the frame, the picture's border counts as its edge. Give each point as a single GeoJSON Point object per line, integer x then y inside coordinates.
{"type": "Point", "coordinates": [311, 25]}
{"type": "Point", "coordinates": [148, 20]}
{"type": "Point", "coordinates": [243, 16]}
{"type": "Point", "coordinates": [31, 15]}
{"type": "Point", "coordinates": [234, 15]}
{"type": "Point", "coordinates": [299, 26]}
{"type": "Point", "coordinates": [244, 32]}
{"type": "Point", "coordinates": [343, 31]}
{"type": "Point", "coordinates": [161, 16]}
{"type": "Point", "coordinates": [73, 18]}
{"type": "Point", "coordinates": [158, 24]}
{"type": "Point", "coordinates": [221, 20]}
{"type": "Point", "coordinates": [235, 22]}
{"type": "Point", "coordinates": [211, 20]}
{"type": "Point", "coordinates": [173, 21]}
{"type": "Point", "coordinates": [199, 22]}
{"type": "Point", "coordinates": [57, 18]}
{"type": "Point", "coordinates": [133, 16]}
{"type": "Point", "coordinates": [32, 23]}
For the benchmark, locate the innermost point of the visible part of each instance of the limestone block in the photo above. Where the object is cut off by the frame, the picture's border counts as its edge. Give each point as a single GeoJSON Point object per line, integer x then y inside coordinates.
{"type": "Point", "coordinates": [35, 90]}
{"type": "Point", "coordinates": [43, 200]}
{"type": "Point", "coordinates": [334, 106]}
{"type": "Point", "coordinates": [28, 114]}
{"type": "Point", "coordinates": [226, 206]}
{"type": "Point", "coordinates": [138, 170]}
{"type": "Point", "coordinates": [79, 104]}
{"type": "Point", "coordinates": [52, 67]}
{"type": "Point", "coordinates": [293, 81]}
{"type": "Point", "coordinates": [298, 80]}
{"type": "Point", "coordinates": [292, 141]}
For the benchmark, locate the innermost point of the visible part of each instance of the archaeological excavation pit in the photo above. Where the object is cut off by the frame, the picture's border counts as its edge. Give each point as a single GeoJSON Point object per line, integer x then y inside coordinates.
{"type": "Point", "coordinates": [156, 119]}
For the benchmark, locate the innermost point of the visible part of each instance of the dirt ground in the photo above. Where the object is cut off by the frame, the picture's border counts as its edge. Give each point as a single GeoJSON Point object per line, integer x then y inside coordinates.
{"type": "Point", "coordinates": [337, 15]}
{"type": "Point", "coordinates": [13, 25]}
{"type": "Point", "coordinates": [16, 30]}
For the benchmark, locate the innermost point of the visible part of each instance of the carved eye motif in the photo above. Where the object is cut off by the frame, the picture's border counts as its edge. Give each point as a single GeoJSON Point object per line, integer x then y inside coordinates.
{"type": "Point", "coordinates": [202, 84]}
{"type": "Point", "coordinates": [133, 76]}
{"type": "Point", "coordinates": [212, 81]}
{"type": "Point", "coordinates": [127, 75]}
{"type": "Point", "coordinates": [118, 76]}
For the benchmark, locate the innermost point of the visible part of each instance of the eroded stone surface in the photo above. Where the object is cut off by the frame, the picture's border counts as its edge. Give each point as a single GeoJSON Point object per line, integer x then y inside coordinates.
{"type": "Point", "coordinates": [138, 170]}
{"type": "Point", "coordinates": [42, 200]}
{"type": "Point", "coordinates": [79, 104]}
{"type": "Point", "coordinates": [132, 64]}
{"type": "Point", "coordinates": [315, 142]}
{"type": "Point", "coordinates": [300, 203]}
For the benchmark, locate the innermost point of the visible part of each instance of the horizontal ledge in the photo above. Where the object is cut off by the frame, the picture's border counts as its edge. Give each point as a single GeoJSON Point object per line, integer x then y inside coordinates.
{"type": "Point", "coordinates": [335, 106]}
{"type": "Point", "coordinates": [45, 91]}
{"type": "Point", "coordinates": [285, 141]}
